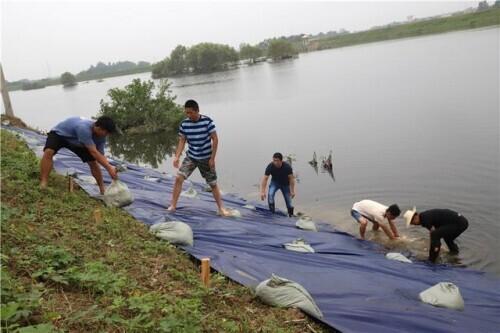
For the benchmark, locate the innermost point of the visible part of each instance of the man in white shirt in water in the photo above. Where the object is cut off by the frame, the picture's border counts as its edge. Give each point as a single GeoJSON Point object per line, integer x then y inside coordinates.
{"type": "Point", "coordinates": [376, 213]}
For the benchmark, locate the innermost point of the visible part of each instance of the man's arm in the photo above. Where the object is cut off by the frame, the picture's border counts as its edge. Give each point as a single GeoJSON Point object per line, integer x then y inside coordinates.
{"type": "Point", "coordinates": [179, 150]}
{"type": "Point", "coordinates": [263, 185]}
{"type": "Point", "coordinates": [102, 160]}
{"type": "Point", "coordinates": [393, 228]}
{"type": "Point", "coordinates": [215, 143]}
{"type": "Point", "coordinates": [291, 179]}
{"type": "Point", "coordinates": [386, 230]}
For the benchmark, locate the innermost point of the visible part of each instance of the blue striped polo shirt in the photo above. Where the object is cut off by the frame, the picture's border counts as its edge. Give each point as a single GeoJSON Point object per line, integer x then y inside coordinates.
{"type": "Point", "coordinates": [197, 134]}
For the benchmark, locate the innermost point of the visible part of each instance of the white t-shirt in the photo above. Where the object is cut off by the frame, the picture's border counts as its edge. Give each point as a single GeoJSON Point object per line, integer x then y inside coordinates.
{"type": "Point", "coordinates": [370, 209]}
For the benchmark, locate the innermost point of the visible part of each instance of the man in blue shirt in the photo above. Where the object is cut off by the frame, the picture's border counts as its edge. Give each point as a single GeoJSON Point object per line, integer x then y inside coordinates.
{"type": "Point", "coordinates": [199, 132]}
{"type": "Point", "coordinates": [86, 139]}
{"type": "Point", "coordinates": [282, 179]}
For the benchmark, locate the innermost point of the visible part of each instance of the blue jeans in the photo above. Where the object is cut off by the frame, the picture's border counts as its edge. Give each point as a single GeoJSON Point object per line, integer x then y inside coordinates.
{"type": "Point", "coordinates": [285, 189]}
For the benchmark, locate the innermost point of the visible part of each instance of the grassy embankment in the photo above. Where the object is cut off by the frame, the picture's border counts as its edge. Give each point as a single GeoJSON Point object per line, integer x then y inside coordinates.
{"type": "Point", "coordinates": [475, 20]}
{"type": "Point", "coordinates": [61, 271]}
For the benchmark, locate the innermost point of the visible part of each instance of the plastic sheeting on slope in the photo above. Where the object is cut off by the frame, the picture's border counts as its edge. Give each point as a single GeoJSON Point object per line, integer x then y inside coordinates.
{"type": "Point", "coordinates": [355, 287]}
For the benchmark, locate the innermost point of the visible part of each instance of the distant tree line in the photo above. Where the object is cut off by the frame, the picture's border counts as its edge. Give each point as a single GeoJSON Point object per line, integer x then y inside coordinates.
{"type": "Point", "coordinates": [99, 71]}
{"type": "Point", "coordinates": [210, 57]}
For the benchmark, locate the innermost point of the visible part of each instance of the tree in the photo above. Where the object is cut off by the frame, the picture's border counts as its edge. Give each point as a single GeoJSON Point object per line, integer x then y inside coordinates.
{"type": "Point", "coordinates": [497, 4]}
{"type": "Point", "coordinates": [68, 79]}
{"type": "Point", "coordinates": [281, 49]}
{"type": "Point", "coordinates": [137, 108]}
{"type": "Point", "coordinates": [250, 52]}
{"type": "Point", "coordinates": [483, 5]}
{"type": "Point", "coordinates": [177, 63]}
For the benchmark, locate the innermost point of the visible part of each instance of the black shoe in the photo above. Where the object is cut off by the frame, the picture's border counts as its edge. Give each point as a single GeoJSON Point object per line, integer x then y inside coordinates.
{"type": "Point", "coordinates": [290, 212]}
{"type": "Point", "coordinates": [272, 208]}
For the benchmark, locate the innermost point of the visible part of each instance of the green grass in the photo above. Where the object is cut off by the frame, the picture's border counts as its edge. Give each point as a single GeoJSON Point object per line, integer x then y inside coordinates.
{"type": "Point", "coordinates": [489, 17]}
{"type": "Point", "coordinates": [61, 271]}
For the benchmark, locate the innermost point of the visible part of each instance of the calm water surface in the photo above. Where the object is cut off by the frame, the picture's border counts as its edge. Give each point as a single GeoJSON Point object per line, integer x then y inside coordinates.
{"type": "Point", "coordinates": [414, 121]}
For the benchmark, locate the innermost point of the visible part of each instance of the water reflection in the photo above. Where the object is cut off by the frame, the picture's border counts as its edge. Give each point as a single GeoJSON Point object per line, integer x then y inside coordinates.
{"type": "Point", "coordinates": [150, 148]}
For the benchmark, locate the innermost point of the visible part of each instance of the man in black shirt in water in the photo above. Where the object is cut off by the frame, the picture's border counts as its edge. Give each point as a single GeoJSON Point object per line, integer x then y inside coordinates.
{"type": "Point", "coordinates": [281, 179]}
{"type": "Point", "coordinates": [442, 223]}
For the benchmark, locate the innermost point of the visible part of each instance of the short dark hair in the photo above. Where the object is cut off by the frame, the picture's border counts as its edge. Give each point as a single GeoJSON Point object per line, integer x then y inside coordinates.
{"type": "Point", "coordinates": [394, 210]}
{"type": "Point", "coordinates": [106, 123]}
{"type": "Point", "coordinates": [278, 156]}
{"type": "Point", "coordinates": [192, 104]}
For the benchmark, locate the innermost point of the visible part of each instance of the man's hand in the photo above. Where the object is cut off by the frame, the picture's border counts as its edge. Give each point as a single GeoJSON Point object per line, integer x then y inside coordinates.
{"type": "Point", "coordinates": [262, 195]}
{"type": "Point", "coordinates": [211, 163]}
{"type": "Point", "coordinates": [176, 163]}
{"type": "Point", "coordinates": [113, 173]}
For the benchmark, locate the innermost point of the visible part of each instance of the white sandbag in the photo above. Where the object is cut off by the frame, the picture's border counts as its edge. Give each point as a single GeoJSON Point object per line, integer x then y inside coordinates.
{"type": "Point", "coordinates": [175, 232]}
{"type": "Point", "coordinates": [233, 212]}
{"type": "Point", "coordinates": [251, 207]}
{"type": "Point", "coordinates": [152, 179]}
{"type": "Point", "coordinates": [190, 193]}
{"type": "Point", "coordinates": [398, 257]}
{"type": "Point", "coordinates": [299, 245]}
{"type": "Point", "coordinates": [281, 292]}
{"type": "Point", "coordinates": [306, 223]}
{"type": "Point", "coordinates": [117, 194]}
{"type": "Point", "coordinates": [87, 179]}
{"type": "Point", "coordinates": [443, 294]}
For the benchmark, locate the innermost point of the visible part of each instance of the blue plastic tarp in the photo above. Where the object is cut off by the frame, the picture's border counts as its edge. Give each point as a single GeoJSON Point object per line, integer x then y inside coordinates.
{"type": "Point", "coordinates": [351, 281]}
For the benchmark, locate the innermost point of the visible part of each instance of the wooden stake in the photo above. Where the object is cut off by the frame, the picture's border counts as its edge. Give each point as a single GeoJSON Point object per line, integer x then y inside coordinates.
{"type": "Point", "coordinates": [5, 94]}
{"type": "Point", "coordinates": [70, 184]}
{"type": "Point", "coordinates": [97, 216]}
{"type": "Point", "coordinates": [205, 271]}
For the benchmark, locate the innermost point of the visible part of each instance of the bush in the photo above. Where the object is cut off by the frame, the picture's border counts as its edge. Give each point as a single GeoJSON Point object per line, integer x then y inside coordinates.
{"type": "Point", "coordinates": [136, 107]}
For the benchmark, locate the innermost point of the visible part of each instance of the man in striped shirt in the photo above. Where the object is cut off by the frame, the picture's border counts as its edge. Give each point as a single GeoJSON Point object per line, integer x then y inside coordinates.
{"type": "Point", "coordinates": [199, 132]}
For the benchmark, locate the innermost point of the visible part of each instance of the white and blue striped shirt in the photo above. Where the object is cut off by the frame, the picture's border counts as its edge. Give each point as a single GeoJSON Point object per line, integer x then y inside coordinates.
{"type": "Point", "coordinates": [197, 134]}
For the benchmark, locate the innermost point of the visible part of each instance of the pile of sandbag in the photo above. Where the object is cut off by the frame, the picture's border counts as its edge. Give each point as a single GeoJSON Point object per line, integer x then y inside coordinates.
{"type": "Point", "coordinates": [175, 232]}
{"type": "Point", "coordinates": [278, 291]}
{"type": "Point", "coordinates": [117, 194]}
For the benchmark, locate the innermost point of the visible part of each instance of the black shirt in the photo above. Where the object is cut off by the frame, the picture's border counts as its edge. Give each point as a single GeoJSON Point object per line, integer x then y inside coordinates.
{"type": "Point", "coordinates": [439, 217]}
{"type": "Point", "coordinates": [279, 175]}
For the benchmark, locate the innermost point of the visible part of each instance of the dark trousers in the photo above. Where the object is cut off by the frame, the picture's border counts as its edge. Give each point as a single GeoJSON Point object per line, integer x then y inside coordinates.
{"type": "Point", "coordinates": [448, 233]}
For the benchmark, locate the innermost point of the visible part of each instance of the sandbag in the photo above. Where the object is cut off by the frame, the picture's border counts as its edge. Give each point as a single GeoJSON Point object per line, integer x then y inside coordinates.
{"type": "Point", "coordinates": [443, 294]}
{"type": "Point", "coordinates": [233, 212]}
{"type": "Point", "coordinates": [251, 207]}
{"type": "Point", "coordinates": [398, 257]}
{"type": "Point", "coordinates": [299, 245]}
{"type": "Point", "coordinates": [306, 223]}
{"type": "Point", "coordinates": [278, 291]}
{"type": "Point", "coordinates": [152, 179]}
{"type": "Point", "coordinates": [190, 193]}
{"type": "Point", "coordinates": [175, 232]}
{"type": "Point", "coordinates": [117, 194]}
{"type": "Point", "coordinates": [87, 179]}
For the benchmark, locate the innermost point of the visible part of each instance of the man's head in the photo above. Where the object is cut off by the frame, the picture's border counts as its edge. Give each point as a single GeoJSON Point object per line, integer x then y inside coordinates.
{"type": "Point", "coordinates": [192, 110]}
{"type": "Point", "coordinates": [278, 160]}
{"type": "Point", "coordinates": [104, 126]}
{"type": "Point", "coordinates": [392, 212]}
{"type": "Point", "coordinates": [412, 217]}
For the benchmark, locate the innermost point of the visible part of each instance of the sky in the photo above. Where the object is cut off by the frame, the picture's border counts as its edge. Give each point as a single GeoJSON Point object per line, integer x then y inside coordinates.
{"type": "Point", "coordinates": [46, 38]}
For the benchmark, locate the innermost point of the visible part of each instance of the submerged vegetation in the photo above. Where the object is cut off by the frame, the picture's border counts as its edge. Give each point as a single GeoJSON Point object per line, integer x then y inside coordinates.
{"type": "Point", "coordinates": [63, 271]}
